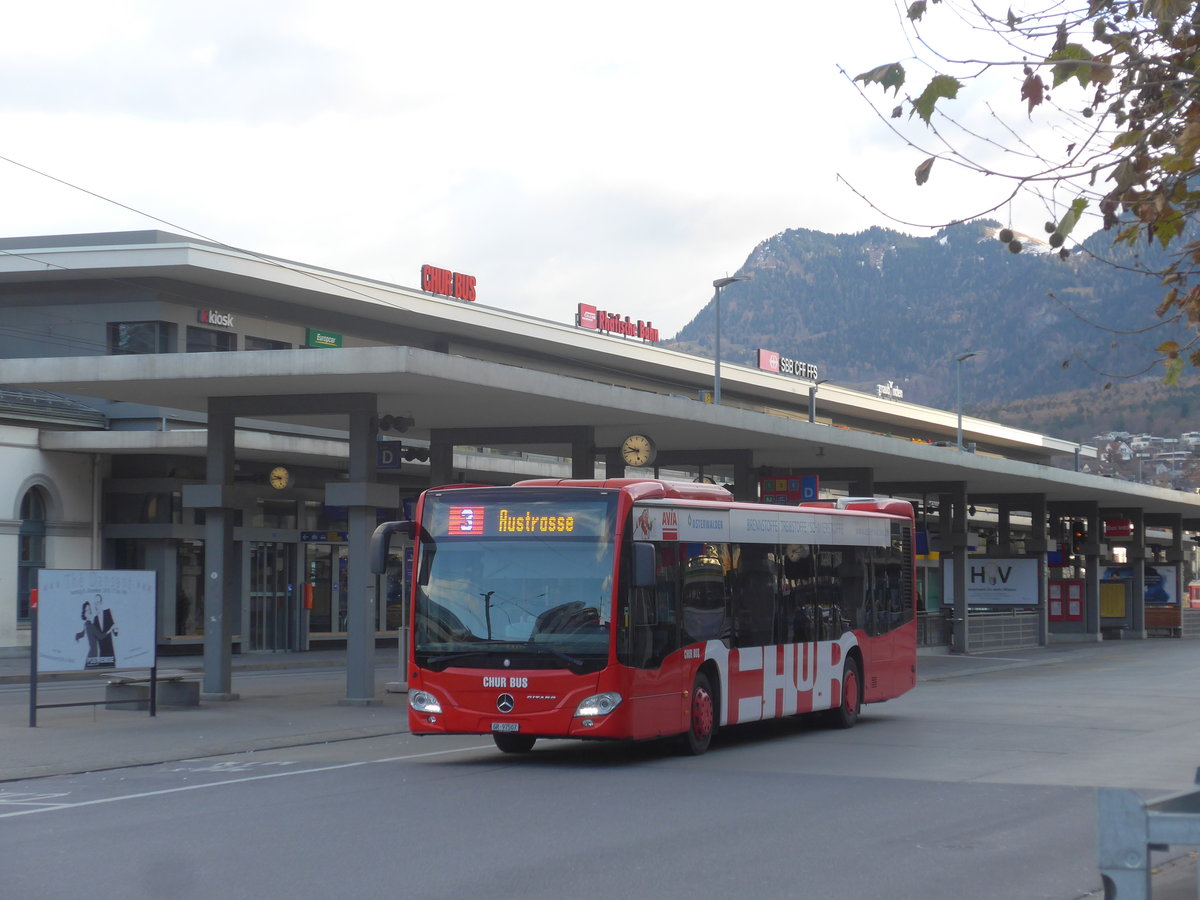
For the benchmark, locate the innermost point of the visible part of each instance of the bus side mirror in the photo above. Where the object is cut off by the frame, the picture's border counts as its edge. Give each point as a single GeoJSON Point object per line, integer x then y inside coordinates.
{"type": "Point", "coordinates": [644, 568]}
{"type": "Point", "coordinates": [381, 538]}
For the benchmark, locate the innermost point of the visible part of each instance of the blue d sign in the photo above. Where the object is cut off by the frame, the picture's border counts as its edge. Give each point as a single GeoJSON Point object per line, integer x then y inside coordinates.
{"type": "Point", "coordinates": [386, 457]}
{"type": "Point", "coordinates": [810, 488]}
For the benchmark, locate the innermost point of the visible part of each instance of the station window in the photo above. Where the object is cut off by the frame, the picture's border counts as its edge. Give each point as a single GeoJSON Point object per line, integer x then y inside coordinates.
{"type": "Point", "coordinates": [203, 340]}
{"type": "Point", "coordinates": [257, 343]}
{"type": "Point", "coordinates": [139, 337]}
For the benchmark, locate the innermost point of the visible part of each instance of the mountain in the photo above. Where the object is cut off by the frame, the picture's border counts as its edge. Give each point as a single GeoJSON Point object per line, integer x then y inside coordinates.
{"type": "Point", "coordinates": [882, 306]}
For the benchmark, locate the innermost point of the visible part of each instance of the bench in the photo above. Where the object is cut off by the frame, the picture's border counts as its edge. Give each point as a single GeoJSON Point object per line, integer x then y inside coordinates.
{"type": "Point", "coordinates": [131, 690]}
{"type": "Point", "coordinates": [1164, 619]}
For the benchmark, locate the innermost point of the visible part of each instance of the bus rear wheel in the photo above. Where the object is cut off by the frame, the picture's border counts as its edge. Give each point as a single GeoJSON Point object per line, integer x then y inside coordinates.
{"type": "Point", "coordinates": [845, 714]}
{"type": "Point", "coordinates": [514, 743]}
{"type": "Point", "coordinates": [702, 721]}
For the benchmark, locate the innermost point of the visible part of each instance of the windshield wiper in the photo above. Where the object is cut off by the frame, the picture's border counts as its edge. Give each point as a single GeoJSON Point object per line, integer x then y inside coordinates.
{"type": "Point", "coordinates": [557, 654]}
{"type": "Point", "coordinates": [482, 651]}
{"type": "Point", "coordinates": [510, 650]}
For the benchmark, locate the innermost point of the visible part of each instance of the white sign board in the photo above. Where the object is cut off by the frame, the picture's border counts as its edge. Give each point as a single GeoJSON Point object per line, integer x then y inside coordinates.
{"type": "Point", "coordinates": [994, 582]}
{"type": "Point", "coordinates": [96, 619]}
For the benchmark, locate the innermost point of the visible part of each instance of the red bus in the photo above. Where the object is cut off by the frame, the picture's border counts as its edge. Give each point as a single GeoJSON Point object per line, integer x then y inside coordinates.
{"type": "Point", "coordinates": [640, 609]}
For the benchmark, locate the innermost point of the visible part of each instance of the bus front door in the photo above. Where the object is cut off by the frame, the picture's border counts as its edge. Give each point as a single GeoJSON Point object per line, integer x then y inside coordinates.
{"type": "Point", "coordinates": [657, 676]}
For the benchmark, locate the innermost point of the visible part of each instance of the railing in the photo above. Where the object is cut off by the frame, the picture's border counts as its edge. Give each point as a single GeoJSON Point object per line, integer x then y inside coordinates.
{"type": "Point", "coordinates": [1009, 630]}
{"type": "Point", "coordinates": [933, 629]}
{"type": "Point", "coordinates": [1190, 621]}
{"type": "Point", "coordinates": [1129, 828]}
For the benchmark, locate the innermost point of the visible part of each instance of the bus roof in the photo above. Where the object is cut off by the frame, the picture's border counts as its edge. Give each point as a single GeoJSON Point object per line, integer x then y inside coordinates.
{"type": "Point", "coordinates": [640, 488]}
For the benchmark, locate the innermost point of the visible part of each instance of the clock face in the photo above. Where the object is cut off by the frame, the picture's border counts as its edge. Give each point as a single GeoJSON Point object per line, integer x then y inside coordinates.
{"type": "Point", "coordinates": [280, 478]}
{"type": "Point", "coordinates": [637, 450]}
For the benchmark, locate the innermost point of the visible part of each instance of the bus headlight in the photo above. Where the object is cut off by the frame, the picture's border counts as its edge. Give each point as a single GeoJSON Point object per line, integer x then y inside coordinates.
{"type": "Point", "coordinates": [598, 704]}
{"type": "Point", "coordinates": [424, 702]}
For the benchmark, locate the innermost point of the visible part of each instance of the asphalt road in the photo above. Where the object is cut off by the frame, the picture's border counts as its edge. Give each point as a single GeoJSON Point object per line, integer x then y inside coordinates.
{"type": "Point", "coordinates": [969, 787]}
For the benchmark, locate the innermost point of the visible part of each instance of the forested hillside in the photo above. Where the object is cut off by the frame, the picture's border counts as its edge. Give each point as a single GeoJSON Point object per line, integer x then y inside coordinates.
{"type": "Point", "coordinates": [1141, 407]}
{"type": "Point", "coordinates": [878, 306]}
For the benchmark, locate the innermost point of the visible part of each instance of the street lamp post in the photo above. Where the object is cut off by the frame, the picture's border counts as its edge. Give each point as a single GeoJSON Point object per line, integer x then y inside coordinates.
{"type": "Point", "coordinates": [960, 359]}
{"type": "Point", "coordinates": [812, 399]}
{"type": "Point", "coordinates": [717, 285]}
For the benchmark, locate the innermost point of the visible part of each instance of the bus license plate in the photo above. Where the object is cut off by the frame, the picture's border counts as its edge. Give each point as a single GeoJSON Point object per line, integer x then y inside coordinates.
{"type": "Point", "coordinates": [506, 726]}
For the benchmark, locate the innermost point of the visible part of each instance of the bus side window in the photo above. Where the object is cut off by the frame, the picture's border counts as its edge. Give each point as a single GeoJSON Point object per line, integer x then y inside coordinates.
{"type": "Point", "coordinates": [799, 592]}
{"type": "Point", "coordinates": [755, 596]}
{"type": "Point", "coordinates": [855, 598]}
{"type": "Point", "coordinates": [705, 613]}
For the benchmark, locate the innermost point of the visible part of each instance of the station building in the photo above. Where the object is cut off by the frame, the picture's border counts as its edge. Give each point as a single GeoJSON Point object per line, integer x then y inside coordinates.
{"type": "Point", "coordinates": [128, 358]}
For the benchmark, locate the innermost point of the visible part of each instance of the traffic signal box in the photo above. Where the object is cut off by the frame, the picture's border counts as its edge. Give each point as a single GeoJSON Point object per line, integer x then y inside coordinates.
{"type": "Point", "coordinates": [1079, 537]}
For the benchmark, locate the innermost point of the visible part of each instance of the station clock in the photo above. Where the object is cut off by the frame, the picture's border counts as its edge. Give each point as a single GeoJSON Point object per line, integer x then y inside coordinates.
{"type": "Point", "coordinates": [638, 450]}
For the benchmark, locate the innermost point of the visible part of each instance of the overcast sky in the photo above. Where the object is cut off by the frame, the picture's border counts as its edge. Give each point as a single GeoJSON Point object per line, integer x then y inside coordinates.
{"type": "Point", "coordinates": [623, 154]}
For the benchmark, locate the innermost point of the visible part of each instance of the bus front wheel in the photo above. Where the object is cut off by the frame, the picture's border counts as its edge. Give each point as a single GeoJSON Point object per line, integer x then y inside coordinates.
{"type": "Point", "coordinates": [513, 743]}
{"type": "Point", "coordinates": [702, 721]}
{"type": "Point", "coordinates": [845, 714]}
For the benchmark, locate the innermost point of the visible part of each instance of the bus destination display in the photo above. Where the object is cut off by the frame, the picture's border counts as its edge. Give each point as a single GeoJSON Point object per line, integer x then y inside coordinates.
{"type": "Point", "coordinates": [532, 520]}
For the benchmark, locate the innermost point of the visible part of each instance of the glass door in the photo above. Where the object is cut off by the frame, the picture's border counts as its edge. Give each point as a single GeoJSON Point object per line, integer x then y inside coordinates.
{"type": "Point", "coordinates": [274, 605]}
{"type": "Point", "coordinates": [325, 572]}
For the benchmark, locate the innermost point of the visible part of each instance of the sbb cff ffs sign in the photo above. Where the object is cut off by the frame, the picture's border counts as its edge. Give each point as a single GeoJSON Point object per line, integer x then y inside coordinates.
{"type": "Point", "coordinates": [447, 283]}
{"type": "Point", "coordinates": [770, 361]}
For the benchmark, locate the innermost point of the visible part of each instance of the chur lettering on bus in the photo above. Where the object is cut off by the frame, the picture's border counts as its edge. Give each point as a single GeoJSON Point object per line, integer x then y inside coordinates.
{"type": "Point", "coordinates": [769, 682]}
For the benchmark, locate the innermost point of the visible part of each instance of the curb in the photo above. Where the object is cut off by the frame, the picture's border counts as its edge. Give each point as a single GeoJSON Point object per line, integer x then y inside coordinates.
{"type": "Point", "coordinates": [250, 745]}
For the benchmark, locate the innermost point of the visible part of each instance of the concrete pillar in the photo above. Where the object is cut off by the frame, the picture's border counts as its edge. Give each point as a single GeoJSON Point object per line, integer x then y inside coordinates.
{"type": "Point", "coordinates": [441, 460]}
{"type": "Point", "coordinates": [745, 487]}
{"type": "Point", "coordinates": [1137, 599]}
{"type": "Point", "coordinates": [362, 496]}
{"type": "Point", "coordinates": [1091, 573]}
{"type": "Point", "coordinates": [1038, 541]}
{"type": "Point", "coordinates": [951, 544]}
{"type": "Point", "coordinates": [960, 537]}
{"type": "Point", "coordinates": [222, 584]}
{"type": "Point", "coordinates": [583, 457]}
{"type": "Point", "coordinates": [614, 465]}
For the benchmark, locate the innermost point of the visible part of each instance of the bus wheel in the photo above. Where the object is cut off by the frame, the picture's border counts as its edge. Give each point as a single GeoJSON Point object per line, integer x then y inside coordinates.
{"type": "Point", "coordinates": [846, 714]}
{"type": "Point", "coordinates": [702, 723]}
{"type": "Point", "coordinates": [514, 743]}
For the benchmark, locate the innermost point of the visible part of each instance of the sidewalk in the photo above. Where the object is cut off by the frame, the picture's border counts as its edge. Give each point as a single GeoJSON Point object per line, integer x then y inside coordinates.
{"type": "Point", "coordinates": [285, 700]}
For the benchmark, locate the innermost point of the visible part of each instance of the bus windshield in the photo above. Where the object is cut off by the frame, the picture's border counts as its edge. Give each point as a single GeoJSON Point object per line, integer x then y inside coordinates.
{"type": "Point", "coordinates": [524, 582]}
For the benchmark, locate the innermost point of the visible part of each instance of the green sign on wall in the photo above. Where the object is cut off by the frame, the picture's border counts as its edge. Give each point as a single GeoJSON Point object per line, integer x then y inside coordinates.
{"type": "Point", "coordinates": [316, 338]}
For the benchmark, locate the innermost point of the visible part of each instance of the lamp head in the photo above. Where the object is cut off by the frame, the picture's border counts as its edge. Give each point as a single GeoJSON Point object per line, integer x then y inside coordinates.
{"type": "Point", "coordinates": [723, 282]}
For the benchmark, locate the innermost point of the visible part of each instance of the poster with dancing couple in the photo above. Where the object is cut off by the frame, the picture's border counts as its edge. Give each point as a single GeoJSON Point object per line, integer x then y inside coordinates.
{"type": "Point", "coordinates": [95, 619]}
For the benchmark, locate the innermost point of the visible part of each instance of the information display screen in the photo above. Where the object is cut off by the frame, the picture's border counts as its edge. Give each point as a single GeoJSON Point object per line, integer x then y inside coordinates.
{"type": "Point", "coordinates": [519, 514]}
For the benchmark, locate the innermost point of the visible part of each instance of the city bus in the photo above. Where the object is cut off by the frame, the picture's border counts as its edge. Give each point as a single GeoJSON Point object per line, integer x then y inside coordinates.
{"type": "Point", "coordinates": [642, 609]}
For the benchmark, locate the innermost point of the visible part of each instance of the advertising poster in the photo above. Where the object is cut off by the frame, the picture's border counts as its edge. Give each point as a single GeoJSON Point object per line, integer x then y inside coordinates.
{"type": "Point", "coordinates": [96, 619]}
{"type": "Point", "coordinates": [1159, 580]}
{"type": "Point", "coordinates": [994, 582]}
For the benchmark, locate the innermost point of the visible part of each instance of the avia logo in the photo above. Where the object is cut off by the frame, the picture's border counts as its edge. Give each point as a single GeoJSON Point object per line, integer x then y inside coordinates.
{"type": "Point", "coordinates": [212, 317]}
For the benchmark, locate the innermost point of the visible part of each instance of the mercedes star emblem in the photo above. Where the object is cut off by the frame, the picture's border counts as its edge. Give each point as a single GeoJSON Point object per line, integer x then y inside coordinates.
{"type": "Point", "coordinates": [505, 703]}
